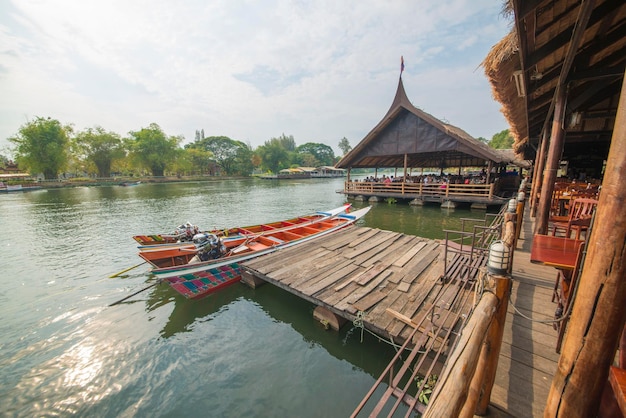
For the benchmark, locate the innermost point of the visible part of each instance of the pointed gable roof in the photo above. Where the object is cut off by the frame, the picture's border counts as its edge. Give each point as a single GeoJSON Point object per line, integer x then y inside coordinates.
{"type": "Point", "coordinates": [424, 139]}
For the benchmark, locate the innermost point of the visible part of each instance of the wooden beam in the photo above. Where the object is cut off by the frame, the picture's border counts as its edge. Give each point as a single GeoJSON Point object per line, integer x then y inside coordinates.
{"type": "Point", "coordinates": [579, 30]}
{"type": "Point", "coordinates": [599, 310]}
{"type": "Point", "coordinates": [555, 149]}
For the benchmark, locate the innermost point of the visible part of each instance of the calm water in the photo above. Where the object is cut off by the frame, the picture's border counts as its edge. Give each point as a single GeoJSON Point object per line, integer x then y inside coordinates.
{"type": "Point", "coordinates": [239, 352]}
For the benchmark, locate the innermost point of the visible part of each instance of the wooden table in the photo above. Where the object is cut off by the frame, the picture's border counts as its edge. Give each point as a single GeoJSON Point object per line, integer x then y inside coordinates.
{"type": "Point", "coordinates": [555, 251]}
{"type": "Point", "coordinates": [617, 378]}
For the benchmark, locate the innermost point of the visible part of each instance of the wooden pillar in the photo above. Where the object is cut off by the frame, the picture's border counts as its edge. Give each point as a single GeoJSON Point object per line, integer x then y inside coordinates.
{"type": "Point", "coordinates": [489, 167]}
{"type": "Point", "coordinates": [540, 161]}
{"type": "Point", "coordinates": [404, 177]}
{"type": "Point", "coordinates": [406, 157]}
{"type": "Point", "coordinates": [452, 387]}
{"type": "Point", "coordinates": [349, 174]}
{"type": "Point", "coordinates": [485, 376]}
{"type": "Point", "coordinates": [557, 138]}
{"type": "Point", "coordinates": [599, 310]}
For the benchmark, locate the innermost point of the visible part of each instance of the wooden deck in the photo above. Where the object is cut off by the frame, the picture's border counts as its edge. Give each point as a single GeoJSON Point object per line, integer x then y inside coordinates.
{"type": "Point", "coordinates": [528, 359]}
{"type": "Point", "coordinates": [365, 273]}
{"type": "Point", "coordinates": [433, 193]}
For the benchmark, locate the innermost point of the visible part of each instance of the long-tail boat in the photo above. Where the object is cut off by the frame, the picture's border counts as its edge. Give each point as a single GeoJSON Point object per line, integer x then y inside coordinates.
{"type": "Point", "coordinates": [183, 234]}
{"type": "Point", "coordinates": [186, 273]}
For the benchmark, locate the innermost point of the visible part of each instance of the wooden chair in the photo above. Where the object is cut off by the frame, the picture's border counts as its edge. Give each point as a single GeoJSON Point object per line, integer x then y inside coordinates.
{"type": "Point", "coordinates": [562, 295]}
{"type": "Point", "coordinates": [578, 219]}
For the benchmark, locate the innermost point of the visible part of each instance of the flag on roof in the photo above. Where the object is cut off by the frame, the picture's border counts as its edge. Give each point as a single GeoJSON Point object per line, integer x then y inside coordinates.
{"type": "Point", "coordinates": [401, 64]}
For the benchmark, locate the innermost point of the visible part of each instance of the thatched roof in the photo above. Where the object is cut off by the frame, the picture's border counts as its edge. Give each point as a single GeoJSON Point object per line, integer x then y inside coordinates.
{"type": "Point", "coordinates": [569, 44]}
{"type": "Point", "coordinates": [425, 141]}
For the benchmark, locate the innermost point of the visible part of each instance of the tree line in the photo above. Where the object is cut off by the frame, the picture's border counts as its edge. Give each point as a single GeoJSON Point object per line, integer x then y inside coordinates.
{"type": "Point", "coordinates": [47, 147]}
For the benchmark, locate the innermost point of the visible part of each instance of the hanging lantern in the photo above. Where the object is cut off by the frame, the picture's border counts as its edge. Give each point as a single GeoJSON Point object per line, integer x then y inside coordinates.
{"type": "Point", "coordinates": [521, 196]}
{"type": "Point", "coordinates": [512, 206]}
{"type": "Point", "coordinates": [499, 258]}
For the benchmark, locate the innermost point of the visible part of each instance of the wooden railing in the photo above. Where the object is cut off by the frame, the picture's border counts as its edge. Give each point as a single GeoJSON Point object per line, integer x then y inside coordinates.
{"type": "Point", "coordinates": [484, 191]}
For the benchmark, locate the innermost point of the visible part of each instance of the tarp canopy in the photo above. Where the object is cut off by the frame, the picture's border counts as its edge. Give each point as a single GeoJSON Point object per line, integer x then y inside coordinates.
{"type": "Point", "coordinates": [407, 132]}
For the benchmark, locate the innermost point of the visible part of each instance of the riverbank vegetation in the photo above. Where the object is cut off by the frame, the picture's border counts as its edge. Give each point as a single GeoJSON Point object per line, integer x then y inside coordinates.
{"type": "Point", "coordinates": [47, 149]}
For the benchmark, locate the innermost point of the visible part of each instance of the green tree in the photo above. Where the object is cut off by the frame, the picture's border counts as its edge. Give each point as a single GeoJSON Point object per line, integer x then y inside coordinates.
{"type": "Point", "coordinates": [244, 160]}
{"type": "Point", "coordinates": [98, 147]}
{"type": "Point", "coordinates": [233, 157]}
{"type": "Point", "coordinates": [41, 146]}
{"type": "Point", "coordinates": [287, 142]}
{"type": "Point", "coordinates": [344, 145]}
{"type": "Point", "coordinates": [308, 160]}
{"type": "Point", "coordinates": [152, 149]}
{"type": "Point", "coordinates": [322, 152]}
{"type": "Point", "coordinates": [273, 155]}
{"type": "Point", "coordinates": [502, 140]}
{"type": "Point", "coordinates": [200, 161]}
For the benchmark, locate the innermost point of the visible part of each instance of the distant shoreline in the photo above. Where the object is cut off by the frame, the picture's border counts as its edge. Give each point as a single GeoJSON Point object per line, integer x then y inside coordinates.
{"type": "Point", "coordinates": [119, 181]}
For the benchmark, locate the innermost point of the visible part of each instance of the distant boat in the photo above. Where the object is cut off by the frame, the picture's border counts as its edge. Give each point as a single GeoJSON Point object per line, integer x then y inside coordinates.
{"type": "Point", "coordinates": [306, 173]}
{"type": "Point", "coordinates": [130, 183]}
{"type": "Point", "coordinates": [16, 188]}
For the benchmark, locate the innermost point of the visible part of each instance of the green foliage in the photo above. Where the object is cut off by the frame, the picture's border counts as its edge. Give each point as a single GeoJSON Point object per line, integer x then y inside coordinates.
{"type": "Point", "coordinates": [344, 145]}
{"type": "Point", "coordinates": [391, 200]}
{"type": "Point", "coordinates": [287, 142]}
{"type": "Point", "coordinates": [502, 140]}
{"type": "Point", "coordinates": [427, 390]}
{"type": "Point", "coordinates": [233, 157]}
{"type": "Point", "coordinates": [152, 149]}
{"type": "Point", "coordinates": [322, 152]}
{"type": "Point", "coordinates": [273, 155]}
{"type": "Point", "coordinates": [194, 161]}
{"type": "Point", "coordinates": [41, 146]}
{"type": "Point", "coordinates": [99, 147]}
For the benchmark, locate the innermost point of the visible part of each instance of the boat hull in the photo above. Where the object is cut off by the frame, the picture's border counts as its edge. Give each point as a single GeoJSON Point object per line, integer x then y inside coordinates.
{"type": "Point", "coordinates": [152, 240]}
{"type": "Point", "coordinates": [198, 280]}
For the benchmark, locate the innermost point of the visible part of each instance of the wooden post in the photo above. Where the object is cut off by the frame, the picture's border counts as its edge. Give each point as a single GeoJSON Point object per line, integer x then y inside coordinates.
{"type": "Point", "coordinates": [480, 390]}
{"type": "Point", "coordinates": [552, 163]}
{"type": "Point", "coordinates": [452, 387]}
{"type": "Point", "coordinates": [540, 162]}
{"type": "Point", "coordinates": [404, 178]}
{"type": "Point", "coordinates": [599, 310]}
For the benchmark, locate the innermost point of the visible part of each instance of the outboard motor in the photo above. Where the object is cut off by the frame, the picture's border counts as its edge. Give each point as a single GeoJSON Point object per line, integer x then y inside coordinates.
{"type": "Point", "coordinates": [209, 246]}
{"type": "Point", "coordinates": [186, 232]}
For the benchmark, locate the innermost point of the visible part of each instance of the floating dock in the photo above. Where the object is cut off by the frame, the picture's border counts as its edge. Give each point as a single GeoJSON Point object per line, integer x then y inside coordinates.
{"type": "Point", "coordinates": [382, 280]}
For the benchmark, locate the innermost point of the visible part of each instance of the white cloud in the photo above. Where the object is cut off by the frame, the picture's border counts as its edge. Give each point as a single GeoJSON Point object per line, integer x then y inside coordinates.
{"type": "Point", "coordinates": [317, 70]}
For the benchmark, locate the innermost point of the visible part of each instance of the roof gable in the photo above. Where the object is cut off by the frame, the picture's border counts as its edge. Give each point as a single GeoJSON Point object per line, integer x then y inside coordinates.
{"type": "Point", "coordinates": [424, 139]}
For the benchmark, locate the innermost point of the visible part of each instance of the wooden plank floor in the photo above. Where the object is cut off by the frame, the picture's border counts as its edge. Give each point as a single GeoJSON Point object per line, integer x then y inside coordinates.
{"type": "Point", "coordinates": [528, 359]}
{"type": "Point", "coordinates": [365, 271]}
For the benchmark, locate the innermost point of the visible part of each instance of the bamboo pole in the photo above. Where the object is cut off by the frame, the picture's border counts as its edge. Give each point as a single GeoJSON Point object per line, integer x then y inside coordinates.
{"type": "Point", "coordinates": [599, 310]}
{"type": "Point", "coordinates": [453, 386]}
{"type": "Point", "coordinates": [552, 164]}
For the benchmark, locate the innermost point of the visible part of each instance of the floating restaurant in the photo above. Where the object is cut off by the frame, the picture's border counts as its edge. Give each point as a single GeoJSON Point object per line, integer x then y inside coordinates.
{"type": "Point", "coordinates": [523, 314]}
{"type": "Point", "coordinates": [407, 138]}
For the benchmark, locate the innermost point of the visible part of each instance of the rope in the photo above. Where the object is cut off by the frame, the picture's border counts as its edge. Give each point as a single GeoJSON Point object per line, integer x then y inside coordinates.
{"type": "Point", "coordinates": [358, 323]}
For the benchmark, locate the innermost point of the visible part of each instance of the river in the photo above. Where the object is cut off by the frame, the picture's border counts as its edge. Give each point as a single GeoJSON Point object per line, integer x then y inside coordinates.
{"type": "Point", "coordinates": [239, 352]}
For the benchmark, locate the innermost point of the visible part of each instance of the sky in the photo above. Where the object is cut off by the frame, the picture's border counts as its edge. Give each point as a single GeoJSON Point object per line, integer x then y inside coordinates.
{"type": "Point", "coordinates": [250, 70]}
